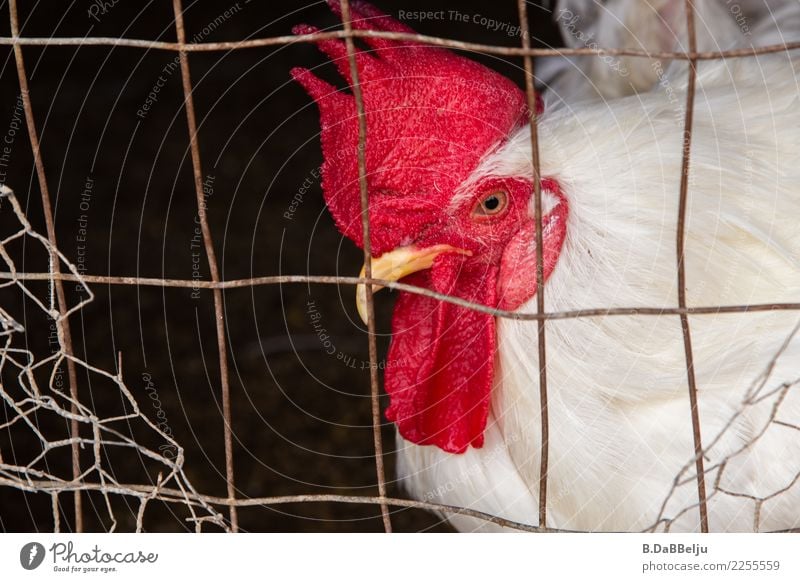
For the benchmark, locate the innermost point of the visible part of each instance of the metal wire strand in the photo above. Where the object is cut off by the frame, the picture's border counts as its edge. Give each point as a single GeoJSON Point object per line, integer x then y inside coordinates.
{"type": "Point", "coordinates": [362, 185]}
{"type": "Point", "coordinates": [62, 322]}
{"type": "Point", "coordinates": [208, 243]}
{"type": "Point", "coordinates": [540, 324]}
{"type": "Point", "coordinates": [681, 262]}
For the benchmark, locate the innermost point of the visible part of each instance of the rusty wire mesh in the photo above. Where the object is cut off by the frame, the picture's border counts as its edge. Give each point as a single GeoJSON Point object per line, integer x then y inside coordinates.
{"type": "Point", "coordinates": [173, 486]}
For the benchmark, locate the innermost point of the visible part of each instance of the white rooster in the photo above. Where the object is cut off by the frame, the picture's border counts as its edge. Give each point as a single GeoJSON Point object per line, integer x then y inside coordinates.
{"type": "Point", "coordinates": [451, 208]}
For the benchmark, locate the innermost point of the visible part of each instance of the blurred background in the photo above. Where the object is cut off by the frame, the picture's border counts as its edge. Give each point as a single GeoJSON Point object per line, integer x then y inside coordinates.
{"type": "Point", "coordinates": [120, 176]}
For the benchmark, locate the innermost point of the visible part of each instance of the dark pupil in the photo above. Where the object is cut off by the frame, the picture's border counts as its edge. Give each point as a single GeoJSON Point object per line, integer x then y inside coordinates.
{"type": "Point", "coordinates": [491, 203]}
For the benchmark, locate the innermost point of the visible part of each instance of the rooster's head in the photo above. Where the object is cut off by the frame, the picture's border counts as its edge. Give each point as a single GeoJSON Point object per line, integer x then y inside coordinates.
{"type": "Point", "coordinates": [440, 216]}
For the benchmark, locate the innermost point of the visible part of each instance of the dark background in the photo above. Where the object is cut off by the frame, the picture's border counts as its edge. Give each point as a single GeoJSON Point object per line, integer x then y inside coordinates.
{"type": "Point", "coordinates": [301, 417]}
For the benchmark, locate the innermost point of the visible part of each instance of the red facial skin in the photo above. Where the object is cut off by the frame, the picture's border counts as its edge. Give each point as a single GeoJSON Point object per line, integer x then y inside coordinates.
{"type": "Point", "coordinates": [440, 366]}
{"type": "Point", "coordinates": [431, 117]}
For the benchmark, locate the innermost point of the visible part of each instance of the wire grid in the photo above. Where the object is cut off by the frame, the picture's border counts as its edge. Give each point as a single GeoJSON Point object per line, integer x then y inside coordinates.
{"type": "Point", "coordinates": [174, 488]}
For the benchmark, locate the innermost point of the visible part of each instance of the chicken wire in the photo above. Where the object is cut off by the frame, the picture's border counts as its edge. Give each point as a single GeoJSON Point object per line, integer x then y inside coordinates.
{"type": "Point", "coordinates": [27, 398]}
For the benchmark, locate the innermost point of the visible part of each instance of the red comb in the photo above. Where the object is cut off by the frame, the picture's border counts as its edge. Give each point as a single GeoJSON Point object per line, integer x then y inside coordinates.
{"type": "Point", "coordinates": [431, 116]}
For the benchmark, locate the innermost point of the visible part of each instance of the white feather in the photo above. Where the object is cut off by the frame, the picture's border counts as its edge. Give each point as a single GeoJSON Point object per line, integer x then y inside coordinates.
{"type": "Point", "coordinates": [620, 423]}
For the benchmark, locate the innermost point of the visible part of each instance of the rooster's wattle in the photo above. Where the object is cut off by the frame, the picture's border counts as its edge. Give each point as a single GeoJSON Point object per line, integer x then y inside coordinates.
{"type": "Point", "coordinates": [451, 209]}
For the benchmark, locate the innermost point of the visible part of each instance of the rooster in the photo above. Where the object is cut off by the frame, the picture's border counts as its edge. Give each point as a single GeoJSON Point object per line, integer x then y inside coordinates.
{"type": "Point", "coordinates": [450, 182]}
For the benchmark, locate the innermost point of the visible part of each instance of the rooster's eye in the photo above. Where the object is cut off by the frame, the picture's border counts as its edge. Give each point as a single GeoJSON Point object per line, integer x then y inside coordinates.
{"type": "Point", "coordinates": [492, 204]}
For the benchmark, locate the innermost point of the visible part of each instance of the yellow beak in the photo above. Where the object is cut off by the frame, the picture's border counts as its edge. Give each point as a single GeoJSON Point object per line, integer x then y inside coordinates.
{"type": "Point", "coordinates": [399, 263]}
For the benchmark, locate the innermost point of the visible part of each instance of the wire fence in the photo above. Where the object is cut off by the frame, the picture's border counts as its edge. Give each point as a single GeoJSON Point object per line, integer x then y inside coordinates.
{"type": "Point", "coordinates": [173, 486]}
